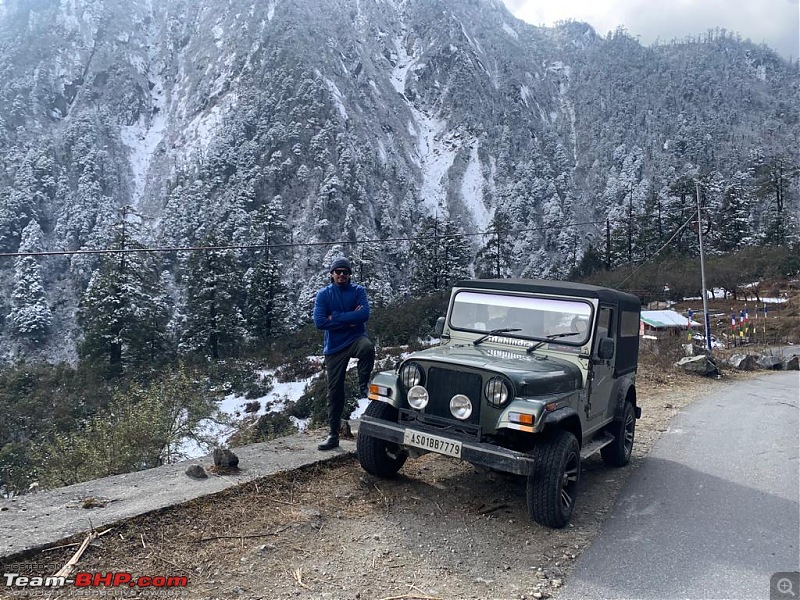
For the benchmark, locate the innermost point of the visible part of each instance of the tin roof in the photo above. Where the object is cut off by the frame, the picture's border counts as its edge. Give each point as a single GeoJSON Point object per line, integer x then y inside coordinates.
{"type": "Point", "coordinates": [667, 319]}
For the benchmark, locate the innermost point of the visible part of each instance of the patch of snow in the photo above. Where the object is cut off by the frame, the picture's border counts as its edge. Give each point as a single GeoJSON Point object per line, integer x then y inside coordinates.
{"type": "Point", "coordinates": [404, 62]}
{"type": "Point", "coordinates": [382, 156]}
{"type": "Point", "coordinates": [472, 186]}
{"type": "Point", "coordinates": [510, 31]}
{"type": "Point", "coordinates": [219, 35]}
{"type": "Point", "coordinates": [475, 45]}
{"type": "Point", "coordinates": [232, 407]}
{"type": "Point", "coordinates": [209, 429]}
{"type": "Point", "coordinates": [144, 136]}
{"type": "Point", "coordinates": [202, 127]}
{"type": "Point", "coordinates": [271, 10]}
{"type": "Point", "coordinates": [434, 156]}
{"type": "Point", "coordinates": [337, 98]}
{"type": "Point", "coordinates": [525, 93]}
{"type": "Point", "coordinates": [300, 424]}
{"type": "Point", "coordinates": [359, 410]}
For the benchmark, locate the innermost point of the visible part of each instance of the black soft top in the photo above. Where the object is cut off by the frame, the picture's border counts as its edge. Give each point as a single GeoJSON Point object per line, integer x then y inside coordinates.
{"type": "Point", "coordinates": [563, 288]}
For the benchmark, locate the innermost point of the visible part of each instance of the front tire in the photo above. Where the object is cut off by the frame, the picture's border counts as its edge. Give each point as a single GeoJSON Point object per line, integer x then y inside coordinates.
{"type": "Point", "coordinates": [379, 457]}
{"type": "Point", "coordinates": [618, 452]}
{"type": "Point", "coordinates": [553, 488]}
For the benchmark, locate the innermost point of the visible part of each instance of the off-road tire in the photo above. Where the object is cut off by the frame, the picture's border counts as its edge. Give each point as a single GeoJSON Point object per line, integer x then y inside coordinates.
{"type": "Point", "coordinates": [618, 452]}
{"type": "Point", "coordinates": [552, 489]}
{"type": "Point", "coordinates": [379, 457]}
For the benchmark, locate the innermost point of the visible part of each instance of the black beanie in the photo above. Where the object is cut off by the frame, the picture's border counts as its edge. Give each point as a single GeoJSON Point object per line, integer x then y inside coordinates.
{"type": "Point", "coordinates": [340, 263]}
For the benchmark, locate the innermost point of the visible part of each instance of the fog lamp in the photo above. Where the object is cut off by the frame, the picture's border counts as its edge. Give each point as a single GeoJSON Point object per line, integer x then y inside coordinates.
{"type": "Point", "coordinates": [417, 397]}
{"type": "Point", "coordinates": [460, 407]}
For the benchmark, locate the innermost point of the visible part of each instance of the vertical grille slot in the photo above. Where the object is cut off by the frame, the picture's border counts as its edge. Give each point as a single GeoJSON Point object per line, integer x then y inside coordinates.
{"type": "Point", "coordinates": [443, 384]}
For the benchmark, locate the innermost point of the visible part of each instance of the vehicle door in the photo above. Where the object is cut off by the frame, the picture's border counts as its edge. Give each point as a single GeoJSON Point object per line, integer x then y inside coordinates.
{"type": "Point", "coordinates": [601, 376]}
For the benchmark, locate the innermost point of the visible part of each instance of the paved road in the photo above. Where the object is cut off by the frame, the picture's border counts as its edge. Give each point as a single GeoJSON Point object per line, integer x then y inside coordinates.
{"type": "Point", "coordinates": [713, 511]}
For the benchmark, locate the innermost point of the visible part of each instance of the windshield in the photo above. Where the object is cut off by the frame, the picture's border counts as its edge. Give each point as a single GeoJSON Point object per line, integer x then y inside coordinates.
{"type": "Point", "coordinates": [522, 316]}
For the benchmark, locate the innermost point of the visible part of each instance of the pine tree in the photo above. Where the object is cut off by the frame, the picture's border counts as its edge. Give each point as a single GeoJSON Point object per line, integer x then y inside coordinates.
{"type": "Point", "coordinates": [266, 309]}
{"type": "Point", "coordinates": [214, 323]}
{"type": "Point", "coordinates": [440, 256]}
{"type": "Point", "coordinates": [774, 177]}
{"type": "Point", "coordinates": [30, 314]}
{"type": "Point", "coordinates": [267, 306]}
{"type": "Point", "coordinates": [494, 259]}
{"type": "Point", "coordinates": [123, 311]}
{"type": "Point", "coordinates": [733, 219]}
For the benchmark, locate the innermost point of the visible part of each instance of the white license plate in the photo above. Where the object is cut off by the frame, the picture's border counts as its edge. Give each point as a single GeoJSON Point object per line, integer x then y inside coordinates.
{"type": "Point", "coordinates": [434, 443]}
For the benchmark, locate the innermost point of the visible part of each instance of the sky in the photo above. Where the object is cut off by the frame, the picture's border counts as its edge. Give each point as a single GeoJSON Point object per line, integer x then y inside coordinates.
{"type": "Point", "coordinates": [773, 22]}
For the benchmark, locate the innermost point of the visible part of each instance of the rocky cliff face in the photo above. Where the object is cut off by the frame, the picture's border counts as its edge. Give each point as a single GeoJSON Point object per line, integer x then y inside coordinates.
{"type": "Point", "coordinates": [297, 124]}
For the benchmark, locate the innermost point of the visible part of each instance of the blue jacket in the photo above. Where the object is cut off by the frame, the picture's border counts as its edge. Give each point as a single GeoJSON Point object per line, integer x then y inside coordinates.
{"type": "Point", "coordinates": [335, 313]}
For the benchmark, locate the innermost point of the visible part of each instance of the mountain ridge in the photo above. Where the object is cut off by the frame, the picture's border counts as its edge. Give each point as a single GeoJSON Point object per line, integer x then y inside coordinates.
{"type": "Point", "coordinates": [288, 123]}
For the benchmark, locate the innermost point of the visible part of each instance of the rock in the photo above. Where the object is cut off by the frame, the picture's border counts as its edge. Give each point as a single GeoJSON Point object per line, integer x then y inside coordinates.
{"type": "Point", "coordinates": [771, 362]}
{"type": "Point", "coordinates": [197, 472]}
{"type": "Point", "coordinates": [702, 365]}
{"type": "Point", "coordinates": [225, 459]}
{"type": "Point", "coordinates": [792, 363]}
{"type": "Point", "coordinates": [744, 362]}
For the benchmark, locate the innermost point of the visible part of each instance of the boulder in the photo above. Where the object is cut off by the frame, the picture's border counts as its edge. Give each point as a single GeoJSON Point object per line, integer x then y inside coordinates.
{"type": "Point", "coordinates": [225, 459]}
{"type": "Point", "coordinates": [792, 363]}
{"type": "Point", "coordinates": [744, 362]}
{"type": "Point", "coordinates": [196, 472]}
{"type": "Point", "coordinates": [771, 362]}
{"type": "Point", "coordinates": [701, 365]}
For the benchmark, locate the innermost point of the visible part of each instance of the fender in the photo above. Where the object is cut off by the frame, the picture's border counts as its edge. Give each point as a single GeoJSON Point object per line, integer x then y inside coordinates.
{"type": "Point", "coordinates": [626, 387]}
{"type": "Point", "coordinates": [564, 418]}
{"type": "Point", "coordinates": [385, 387]}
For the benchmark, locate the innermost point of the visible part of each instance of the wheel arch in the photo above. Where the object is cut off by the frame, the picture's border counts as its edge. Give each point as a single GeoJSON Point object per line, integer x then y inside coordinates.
{"type": "Point", "coordinates": [566, 419]}
{"type": "Point", "coordinates": [627, 393]}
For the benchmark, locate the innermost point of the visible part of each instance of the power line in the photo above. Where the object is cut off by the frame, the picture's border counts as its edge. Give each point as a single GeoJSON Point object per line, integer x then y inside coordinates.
{"type": "Point", "coordinates": [168, 249]}
{"type": "Point", "coordinates": [652, 256]}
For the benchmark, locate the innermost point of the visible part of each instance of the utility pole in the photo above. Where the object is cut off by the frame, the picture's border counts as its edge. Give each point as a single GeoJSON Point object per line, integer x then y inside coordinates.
{"type": "Point", "coordinates": [707, 320]}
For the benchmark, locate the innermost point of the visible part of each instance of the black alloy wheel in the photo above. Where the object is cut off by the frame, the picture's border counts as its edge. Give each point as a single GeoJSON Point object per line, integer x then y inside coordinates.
{"type": "Point", "coordinates": [618, 453]}
{"type": "Point", "coordinates": [552, 490]}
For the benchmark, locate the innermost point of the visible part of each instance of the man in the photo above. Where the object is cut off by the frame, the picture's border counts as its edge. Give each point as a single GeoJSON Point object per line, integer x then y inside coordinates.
{"type": "Point", "coordinates": [341, 310]}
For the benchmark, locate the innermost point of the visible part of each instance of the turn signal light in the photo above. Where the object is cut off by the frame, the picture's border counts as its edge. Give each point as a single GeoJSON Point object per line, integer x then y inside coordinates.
{"type": "Point", "coordinates": [521, 418]}
{"type": "Point", "coordinates": [379, 390]}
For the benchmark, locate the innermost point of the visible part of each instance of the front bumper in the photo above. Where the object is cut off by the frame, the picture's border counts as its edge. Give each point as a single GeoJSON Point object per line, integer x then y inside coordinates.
{"type": "Point", "coordinates": [477, 453]}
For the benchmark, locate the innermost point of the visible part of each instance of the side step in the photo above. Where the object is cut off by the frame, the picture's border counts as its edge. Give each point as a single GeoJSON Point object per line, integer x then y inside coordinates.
{"type": "Point", "coordinates": [596, 444]}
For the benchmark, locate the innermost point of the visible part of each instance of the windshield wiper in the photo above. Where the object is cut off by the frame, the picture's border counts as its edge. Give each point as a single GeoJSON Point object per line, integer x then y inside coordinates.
{"type": "Point", "coordinates": [495, 332]}
{"type": "Point", "coordinates": [550, 337]}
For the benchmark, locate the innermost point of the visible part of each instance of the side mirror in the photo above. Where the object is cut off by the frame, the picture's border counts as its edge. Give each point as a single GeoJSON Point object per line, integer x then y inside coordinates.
{"type": "Point", "coordinates": [605, 349]}
{"type": "Point", "coordinates": [439, 328]}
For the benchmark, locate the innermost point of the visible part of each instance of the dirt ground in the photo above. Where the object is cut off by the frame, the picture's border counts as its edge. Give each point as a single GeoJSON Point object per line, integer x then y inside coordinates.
{"type": "Point", "coordinates": [439, 530]}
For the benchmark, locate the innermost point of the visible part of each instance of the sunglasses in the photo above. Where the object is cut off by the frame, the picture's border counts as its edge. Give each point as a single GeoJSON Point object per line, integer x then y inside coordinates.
{"type": "Point", "coordinates": [341, 271]}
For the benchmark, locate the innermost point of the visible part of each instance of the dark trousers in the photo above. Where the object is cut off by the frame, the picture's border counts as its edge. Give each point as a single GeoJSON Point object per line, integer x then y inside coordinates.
{"type": "Point", "coordinates": [336, 369]}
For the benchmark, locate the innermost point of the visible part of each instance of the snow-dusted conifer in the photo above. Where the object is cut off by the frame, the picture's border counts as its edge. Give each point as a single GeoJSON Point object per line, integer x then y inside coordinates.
{"type": "Point", "coordinates": [30, 314]}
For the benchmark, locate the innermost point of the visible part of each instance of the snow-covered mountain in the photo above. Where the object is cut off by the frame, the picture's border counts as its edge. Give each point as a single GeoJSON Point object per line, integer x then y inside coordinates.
{"type": "Point", "coordinates": [298, 123]}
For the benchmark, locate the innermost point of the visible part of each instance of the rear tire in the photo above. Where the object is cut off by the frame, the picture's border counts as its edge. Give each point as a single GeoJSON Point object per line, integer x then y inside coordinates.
{"type": "Point", "coordinates": [618, 452]}
{"type": "Point", "coordinates": [552, 489]}
{"type": "Point", "coordinates": [379, 457]}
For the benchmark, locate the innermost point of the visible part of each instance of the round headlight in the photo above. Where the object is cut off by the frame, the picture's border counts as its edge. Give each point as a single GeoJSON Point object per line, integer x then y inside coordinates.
{"type": "Point", "coordinates": [497, 392]}
{"type": "Point", "coordinates": [411, 375]}
{"type": "Point", "coordinates": [417, 397]}
{"type": "Point", "coordinates": [460, 406]}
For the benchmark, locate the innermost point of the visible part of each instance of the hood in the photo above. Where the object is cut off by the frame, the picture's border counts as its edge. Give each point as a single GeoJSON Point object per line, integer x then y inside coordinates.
{"type": "Point", "coordinates": [531, 374]}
